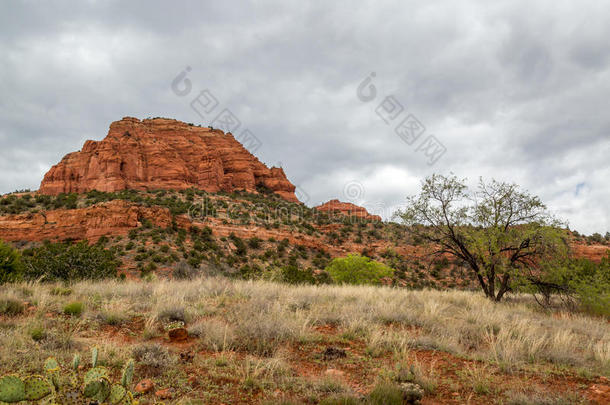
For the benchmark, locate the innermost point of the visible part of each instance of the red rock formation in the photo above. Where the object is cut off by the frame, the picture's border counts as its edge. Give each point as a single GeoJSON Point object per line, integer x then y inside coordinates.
{"type": "Point", "coordinates": [163, 154]}
{"type": "Point", "coordinates": [347, 209]}
{"type": "Point", "coordinates": [591, 252]}
{"type": "Point", "coordinates": [118, 217]}
{"type": "Point", "coordinates": [112, 218]}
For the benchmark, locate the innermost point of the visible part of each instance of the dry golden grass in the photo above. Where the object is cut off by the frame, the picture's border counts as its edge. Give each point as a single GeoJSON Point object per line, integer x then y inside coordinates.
{"type": "Point", "coordinates": [260, 318]}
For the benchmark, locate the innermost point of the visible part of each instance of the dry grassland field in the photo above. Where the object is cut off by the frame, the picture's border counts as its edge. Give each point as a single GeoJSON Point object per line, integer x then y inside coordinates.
{"type": "Point", "coordinates": [235, 342]}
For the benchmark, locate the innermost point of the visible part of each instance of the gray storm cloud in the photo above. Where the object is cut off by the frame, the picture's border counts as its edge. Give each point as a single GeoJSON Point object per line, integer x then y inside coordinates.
{"type": "Point", "coordinates": [512, 89]}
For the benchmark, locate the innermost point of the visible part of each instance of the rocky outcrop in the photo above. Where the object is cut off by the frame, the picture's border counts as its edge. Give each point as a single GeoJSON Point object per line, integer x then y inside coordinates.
{"type": "Point", "coordinates": [591, 252]}
{"type": "Point", "coordinates": [112, 218]}
{"type": "Point", "coordinates": [348, 209]}
{"type": "Point", "coordinates": [163, 154]}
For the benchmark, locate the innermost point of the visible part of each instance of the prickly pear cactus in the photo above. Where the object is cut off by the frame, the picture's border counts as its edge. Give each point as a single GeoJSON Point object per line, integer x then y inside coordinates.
{"type": "Point", "coordinates": [37, 388]}
{"type": "Point", "coordinates": [68, 388]}
{"type": "Point", "coordinates": [117, 393]}
{"type": "Point", "coordinates": [94, 353]}
{"type": "Point", "coordinates": [75, 362]}
{"type": "Point", "coordinates": [12, 389]}
{"type": "Point", "coordinates": [70, 397]}
{"type": "Point", "coordinates": [127, 374]}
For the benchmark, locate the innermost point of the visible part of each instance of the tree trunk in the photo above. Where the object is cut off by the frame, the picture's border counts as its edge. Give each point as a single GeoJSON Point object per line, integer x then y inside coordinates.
{"type": "Point", "coordinates": [504, 286]}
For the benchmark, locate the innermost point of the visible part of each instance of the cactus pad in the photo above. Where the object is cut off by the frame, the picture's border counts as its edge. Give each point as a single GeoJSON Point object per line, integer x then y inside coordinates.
{"type": "Point", "coordinates": [127, 399]}
{"type": "Point", "coordinates": [95, 374]}
{"type": "Point", "coordinates": [51, 365]}
{"type": "Point", "coordinates": [75, 362]}
{"type": "Point", "coordinates": [12, 389]}
{"type": "Point", "coordinates": [91, 388]}
{"type": "Point", "coordinates": [117, 393]}
{"type": "Point", "coordinates": [104, 391]}
{"type": "Point", "coordinates": [127, 375]}
{"type": "Point", "coordinates": [94, 353]}
{"type": "Point", "coordinates": [72, 397]}
{"type": "Point", "coordinates": [37, 388]}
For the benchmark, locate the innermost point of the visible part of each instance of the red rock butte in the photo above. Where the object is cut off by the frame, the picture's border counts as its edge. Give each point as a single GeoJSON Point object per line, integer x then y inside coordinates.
{"type": "Point", "coordinates": [347, 209]}
{"type": "Point", "coordinates": [163, 153]}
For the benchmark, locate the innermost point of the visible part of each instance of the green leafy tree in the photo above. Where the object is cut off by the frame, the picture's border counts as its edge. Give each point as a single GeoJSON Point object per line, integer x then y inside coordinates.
{"type": "Point", "coordinates": [69, 261]}
{"type": "Point", "coordinates": [11, 268]}
{"type": "Point", "coordinates": [576, 281]}
{"type": "Point", "coordinates": [356, 269]}
{"type": "Point", "coordinates": [497, 230]}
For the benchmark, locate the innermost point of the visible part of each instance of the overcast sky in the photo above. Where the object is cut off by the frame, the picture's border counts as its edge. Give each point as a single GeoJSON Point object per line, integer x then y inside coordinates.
{"type": "Point", "coordinates": [514, 90]}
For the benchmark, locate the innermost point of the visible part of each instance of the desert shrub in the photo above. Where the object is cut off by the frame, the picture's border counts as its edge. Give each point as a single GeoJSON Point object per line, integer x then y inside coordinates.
{"type": "Point", "coordinates": [153, 358]}
{"type": "Point", "coordinates": [184, 271]}
{"type": "Point", "coordinates": [149, 268]}
{"type": "Point", "coordinates": [254, 243]}
{"type": "Point", "coordinates": [69, 261]}
{"type": "Point", "coordinates": [540, 398]}
{"type": "Point", "coordinates": [417, 374]}
{"type": "Point", "coordinates": [103, 240]}
{"type": "Point", "coordinates": [74, 308]}
{"type": "Point", "coordinates": [11, 307]}
{"type": "Point", "coordinates": [173, 314]}
{"type": "Point", "coordinates": [241, 248]}
{"type": "Point", "coordinates": [37, 333]}
{"type": "Point", "coordinates": [356, 269]}
{"type": "Point", "coordinates": [320, 261]}
{"type": "Point", "coordinates": [249, 272]}
{"type": "Point", "coordinates": [386, 394]}
{"type": "Point", "coordinates": [340, 400]}
{"type": "Point", "coordinates": [293, 275]}
{"type": "Point", "coordinates": [61, 291]}
{"type": "Point", "coordinates": [330, 385]}
{"type": "Point", "coordinates": [11, 268]}
{"type": "Point", "coordinates": [112, 315]}
{"type": "Point", "coordinates": [260, 331]}
{"type": "Point", "coordinates": [214, 334]}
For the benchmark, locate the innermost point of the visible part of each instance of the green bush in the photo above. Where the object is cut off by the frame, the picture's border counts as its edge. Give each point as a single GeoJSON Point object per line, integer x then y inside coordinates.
{"type": "Point", "coordinates": [386, 394]}
{"type": "Point", "coordinates": [356, 269]}
{"type": "Point", "coordinates": [37, 333]}
{"type": "Point", "coordinates": [293, 275]}
{"type": "Point", "coordinates": [69, 261]}
{"type": "Point", "coordinates": [241, 248]}
{"type": "Point", "coordinates": [11, 268]}
{"type": "Point", "coordinates": [74, 308]}
{"type": "Point", "coordinates": [254, 243]}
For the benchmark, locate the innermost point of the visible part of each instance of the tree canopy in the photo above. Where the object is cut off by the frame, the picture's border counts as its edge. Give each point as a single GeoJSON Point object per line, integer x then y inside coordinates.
{"type": "Point", "coordinates": [498, 230]}
{"type": "Point", "coordinates": [356, 269]}
{"type": "Point", "coordinates": [69, 261]}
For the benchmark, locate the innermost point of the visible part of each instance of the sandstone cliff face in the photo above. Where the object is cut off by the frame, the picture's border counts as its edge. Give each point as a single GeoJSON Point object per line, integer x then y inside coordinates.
{"type": "Point", "coordinates": [163, 154]}
{"type": "Point", "coordinates": [348, 209]}
{"type": "Point", "coordinates": [592, 252]}
{"type": "Point", "coordinates": [112, 218]}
